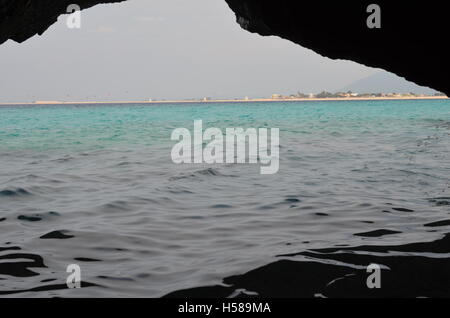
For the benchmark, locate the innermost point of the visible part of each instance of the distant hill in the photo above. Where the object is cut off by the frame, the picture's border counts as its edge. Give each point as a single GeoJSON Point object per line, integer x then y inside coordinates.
{"type": "Point", "coordinates": [385, 82]}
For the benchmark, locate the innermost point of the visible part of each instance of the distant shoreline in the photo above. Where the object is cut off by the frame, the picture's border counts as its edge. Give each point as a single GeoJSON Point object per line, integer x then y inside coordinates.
{"type": "Point", "coordinates": [253, 100]}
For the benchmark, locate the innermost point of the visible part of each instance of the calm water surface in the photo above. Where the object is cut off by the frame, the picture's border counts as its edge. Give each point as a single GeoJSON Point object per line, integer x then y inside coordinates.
{"type": "Point", "coordinates": [94, 185]}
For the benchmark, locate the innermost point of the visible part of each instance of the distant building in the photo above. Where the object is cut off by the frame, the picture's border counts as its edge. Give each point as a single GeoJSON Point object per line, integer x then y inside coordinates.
{"type": "Point", "coordinates": [277, 96]}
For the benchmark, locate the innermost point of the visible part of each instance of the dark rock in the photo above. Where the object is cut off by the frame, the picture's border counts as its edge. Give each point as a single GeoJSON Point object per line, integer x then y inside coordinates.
{"type": "Point", "coordinates": [342, 273]}
{"type": "Point", "coordinates": [409, 43]}
{"type": "Point", "coordinates": [22, 19]}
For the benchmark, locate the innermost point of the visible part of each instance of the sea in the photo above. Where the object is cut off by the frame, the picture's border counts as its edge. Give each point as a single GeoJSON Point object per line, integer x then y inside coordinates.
{"type": "Point", "coordinates": [93, 187]}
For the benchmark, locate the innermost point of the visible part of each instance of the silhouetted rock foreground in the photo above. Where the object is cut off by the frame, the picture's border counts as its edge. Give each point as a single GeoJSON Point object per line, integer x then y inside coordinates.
{"type": "Point", "coordinates": [22, 19]}
{"type": "Point", "coordinates": [407, 271]}
{"type": "Point", "coordinates": [410, 42]}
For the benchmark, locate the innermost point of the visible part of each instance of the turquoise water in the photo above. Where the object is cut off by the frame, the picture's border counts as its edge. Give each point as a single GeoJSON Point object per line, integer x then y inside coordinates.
{"type": "Point", "coordinates": [95, 185]}
{"type": "Point", "coordinates": [98, 126]}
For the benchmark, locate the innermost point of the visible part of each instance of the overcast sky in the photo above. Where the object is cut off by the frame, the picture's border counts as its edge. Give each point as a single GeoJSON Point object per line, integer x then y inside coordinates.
{"type": "Point", "coordinates": [163, 49]}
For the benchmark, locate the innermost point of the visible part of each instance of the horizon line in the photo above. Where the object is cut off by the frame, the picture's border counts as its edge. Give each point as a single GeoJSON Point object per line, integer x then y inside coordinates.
{"type": "Point", "coordinates": [245, 100]}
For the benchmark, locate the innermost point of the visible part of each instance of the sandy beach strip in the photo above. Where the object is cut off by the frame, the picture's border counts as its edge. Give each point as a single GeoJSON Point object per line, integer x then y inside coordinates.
{"type": "Point", "coordinates": [250, 100]}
